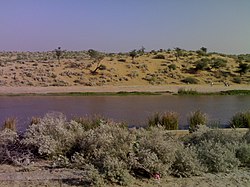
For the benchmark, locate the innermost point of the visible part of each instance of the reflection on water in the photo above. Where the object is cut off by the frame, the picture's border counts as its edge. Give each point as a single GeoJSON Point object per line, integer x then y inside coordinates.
{"type": "Point", "coordinates": [131, 109]}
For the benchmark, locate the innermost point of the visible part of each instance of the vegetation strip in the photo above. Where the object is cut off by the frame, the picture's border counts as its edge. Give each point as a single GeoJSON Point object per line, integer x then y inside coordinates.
{"type": "Point", "coordinates": [228, 92]}
{"type": "Point", "coordinates": [122, 93]}
{"type": "Point", "coordinates": [135, 93]}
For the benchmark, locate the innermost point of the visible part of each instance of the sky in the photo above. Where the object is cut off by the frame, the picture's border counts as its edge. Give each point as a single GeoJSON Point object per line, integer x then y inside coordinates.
{"type": "Point", "coordinates": [123, 25]}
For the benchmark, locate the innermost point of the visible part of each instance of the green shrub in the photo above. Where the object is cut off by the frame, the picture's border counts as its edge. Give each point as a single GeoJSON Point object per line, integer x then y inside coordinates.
{"type": "Point", "coordinates": [190, 80]}
{"type": "Point", "coordinates": [172, 66]}
{"type": "Point", "coordinates": [168, 120]}
{"type": "Point", "coordinates": [121, 60]}
{"type": "Point", "coordinates": [201, 65]}
{"type": "Point", "coordinates": [237, 80]}
{"type": "Point", "coordinates": [240, 120]}
{"type": "Point", "coordinates": [218, 63]}
{"type": "Point", "coordinates": [195, 119]}
{"type": "Point", "coordinates": [159, 56]}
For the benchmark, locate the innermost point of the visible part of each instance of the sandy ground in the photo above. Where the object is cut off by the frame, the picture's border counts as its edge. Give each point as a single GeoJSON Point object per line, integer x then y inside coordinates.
{"type": "Point", "coordinates": [41, 175]}
{"type": "Point", "coordinates": [165, 88]}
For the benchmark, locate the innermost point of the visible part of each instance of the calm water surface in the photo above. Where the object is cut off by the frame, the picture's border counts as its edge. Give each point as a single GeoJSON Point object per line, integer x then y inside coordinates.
{"type": "Point", "coordinates": [131, 109]}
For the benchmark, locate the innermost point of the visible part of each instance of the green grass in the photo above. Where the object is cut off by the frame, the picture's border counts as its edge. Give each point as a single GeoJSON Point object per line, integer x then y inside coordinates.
{"type": "Point", "coordinates": [228, 92]}
{"type": "Point", "coordinates": [235, 92]}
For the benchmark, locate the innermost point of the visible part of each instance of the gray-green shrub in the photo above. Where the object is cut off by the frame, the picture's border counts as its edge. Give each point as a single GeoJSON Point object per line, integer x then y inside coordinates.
{"type": "Point", "coordinates": [243, 154]}
{"type": "Point", "coordinates": [160, 147]}
{"type": "Point", "coordinates": [216, 156]}
{"type": "Point", "coordinates": [186, 163]}
{"type": "Point", "coordinates": [216, 149]}
{"type": "Point", "coordinates": [52, 136]}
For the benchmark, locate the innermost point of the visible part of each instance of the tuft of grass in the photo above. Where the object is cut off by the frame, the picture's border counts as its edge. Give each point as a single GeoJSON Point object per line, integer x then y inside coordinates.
{"type": "Point", "coordinates": [240, 120]}
{"type": "Point", "coordinates": [196, 119]}
{"type": "Point", "coordinates": [10, 123]}
{"type": "Point", "coordinates": [183, 91]}
{"type": "Point", "coordinates": [168, 120]}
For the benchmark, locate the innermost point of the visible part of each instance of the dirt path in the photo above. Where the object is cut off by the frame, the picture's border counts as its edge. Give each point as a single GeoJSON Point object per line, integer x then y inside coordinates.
{"type": "Point", "coordinates": [140, 88]}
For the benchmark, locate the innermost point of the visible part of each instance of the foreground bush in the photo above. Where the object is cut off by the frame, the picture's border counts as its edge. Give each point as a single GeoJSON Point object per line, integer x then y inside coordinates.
{"type": "Point", "coordinates": [52, 135]}
{"type": "Point", "coordinates": [216, 149]}
{"type": "Point", "coordinates": [240, 120]}
{"type": "Point", "coordinates": [169, 120]}
{"type": "Point", "coordinates": [12, 151]}
{"type": "Point", "coordinates": [112, 153]}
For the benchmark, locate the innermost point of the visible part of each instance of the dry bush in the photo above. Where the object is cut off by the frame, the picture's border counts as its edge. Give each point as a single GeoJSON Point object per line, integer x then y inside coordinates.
{"type": "Point", "coordinates": [53, 135]}
{"type": "Point", "coordinates": [186, 163]}
{"type": "Point", "coordinates": [157, 148]}
{"type": "Point", "coordinates": [106, 148]}
{"type": "Point", "coordinates": [216, 149]}
{"type": "Point", "coordinates": [216, 156]}
{"type": "Point", "coordinates": [12, 151]}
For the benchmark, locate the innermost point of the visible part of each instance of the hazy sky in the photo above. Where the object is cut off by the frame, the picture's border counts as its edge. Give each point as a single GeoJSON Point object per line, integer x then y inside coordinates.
{"type": "Point", "coordinates": [124, 25]}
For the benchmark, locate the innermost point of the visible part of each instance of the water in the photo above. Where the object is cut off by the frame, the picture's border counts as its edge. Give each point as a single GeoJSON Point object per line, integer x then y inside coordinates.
{"type": "Point", "coordinates": [134, 110]}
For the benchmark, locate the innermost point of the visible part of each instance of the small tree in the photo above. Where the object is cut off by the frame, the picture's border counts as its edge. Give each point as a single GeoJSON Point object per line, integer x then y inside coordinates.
{"type": "Point", "coordinates": [133, 54]}
{"type": "Point", "coordinates": [203, 49]}
{"type": "Point", "coordinates": [243, 68]}
{"type": "Point", "coordinates": [178, 53]}
{"type": "Point", "coordinates": [141, 51]}
{"type": "Point", "coordinates": [98, 57]}
{"type": "Point", "coordinates": [58, 53]}
{"type": "Point", "coordinates": [202, 64]}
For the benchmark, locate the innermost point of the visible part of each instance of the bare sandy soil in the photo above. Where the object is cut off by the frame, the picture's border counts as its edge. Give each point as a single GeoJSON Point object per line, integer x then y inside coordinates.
{"type": "Point", "coordinates": [40, 174]}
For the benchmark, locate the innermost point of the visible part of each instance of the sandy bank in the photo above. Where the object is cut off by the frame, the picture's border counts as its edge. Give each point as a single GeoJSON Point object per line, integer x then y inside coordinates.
{"type": "Point", "coordinates": [140, 88]}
